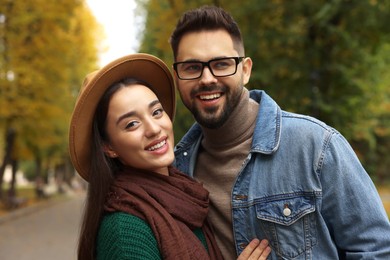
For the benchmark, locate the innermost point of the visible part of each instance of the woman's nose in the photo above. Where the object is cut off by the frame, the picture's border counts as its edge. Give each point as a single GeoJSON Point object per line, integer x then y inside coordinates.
{"type": "Point", "coordinates": [152, 128]}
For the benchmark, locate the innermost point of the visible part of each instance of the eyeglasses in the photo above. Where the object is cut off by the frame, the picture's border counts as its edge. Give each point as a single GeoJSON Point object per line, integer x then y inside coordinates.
{"type": "Point", "coordinates": [220, 67]}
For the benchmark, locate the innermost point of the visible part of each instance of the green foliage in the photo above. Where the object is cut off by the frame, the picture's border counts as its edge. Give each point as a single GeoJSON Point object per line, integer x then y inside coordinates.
{"type": "Point", "coordinates": [329, 59]}
{"type": "Point", "coordinates": [371, 133]}
{"type": "Point", "coordinates": [48, 47]}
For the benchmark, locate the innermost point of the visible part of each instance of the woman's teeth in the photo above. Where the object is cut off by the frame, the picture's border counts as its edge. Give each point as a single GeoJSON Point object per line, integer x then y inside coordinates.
{"type": "Point", "coordinates": [157, 146]}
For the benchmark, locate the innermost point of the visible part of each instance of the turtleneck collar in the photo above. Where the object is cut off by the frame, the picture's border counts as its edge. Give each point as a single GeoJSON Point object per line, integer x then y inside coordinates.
{"type": "Point", "coordinates": [237, 128]}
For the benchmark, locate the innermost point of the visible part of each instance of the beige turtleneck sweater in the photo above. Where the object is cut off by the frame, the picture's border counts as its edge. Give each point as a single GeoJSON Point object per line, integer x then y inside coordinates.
{"type": "Point", "coordinates": [220, 159]}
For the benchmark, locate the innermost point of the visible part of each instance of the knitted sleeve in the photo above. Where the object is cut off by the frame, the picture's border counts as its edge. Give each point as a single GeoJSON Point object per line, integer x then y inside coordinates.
{"type": "Point", "coordinates": [124, 236]}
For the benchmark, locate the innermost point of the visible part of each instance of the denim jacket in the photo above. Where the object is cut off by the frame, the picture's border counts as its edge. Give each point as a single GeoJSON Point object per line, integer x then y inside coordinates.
{"type": "Point", "coordinates": [302, 188]}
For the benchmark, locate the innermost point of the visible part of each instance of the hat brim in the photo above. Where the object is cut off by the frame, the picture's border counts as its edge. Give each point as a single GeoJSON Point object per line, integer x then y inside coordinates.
{"type": "Point", "coordinates": [140, 66]}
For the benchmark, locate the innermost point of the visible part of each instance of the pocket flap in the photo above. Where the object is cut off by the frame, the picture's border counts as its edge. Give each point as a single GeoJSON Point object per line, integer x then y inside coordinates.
{"type": "Point", "coordinates": [285, 210]}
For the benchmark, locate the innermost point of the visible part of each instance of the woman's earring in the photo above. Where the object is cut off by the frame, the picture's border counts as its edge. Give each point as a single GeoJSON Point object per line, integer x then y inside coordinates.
{"type": "Point", "coordinates": [109, 151]}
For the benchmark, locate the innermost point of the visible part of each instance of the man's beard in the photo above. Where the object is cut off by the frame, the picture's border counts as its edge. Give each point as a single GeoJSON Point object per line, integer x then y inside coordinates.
{"type": "Point", "coordinates": [208, 117]}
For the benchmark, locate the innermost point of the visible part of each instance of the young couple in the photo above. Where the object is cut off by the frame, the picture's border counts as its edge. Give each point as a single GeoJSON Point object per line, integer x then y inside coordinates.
{"type": "Point", "coordinates": [264, 183]}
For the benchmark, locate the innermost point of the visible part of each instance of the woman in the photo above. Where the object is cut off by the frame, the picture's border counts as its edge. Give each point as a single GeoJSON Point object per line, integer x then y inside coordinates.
{"type": "Point", "coordinates": [121, 142]}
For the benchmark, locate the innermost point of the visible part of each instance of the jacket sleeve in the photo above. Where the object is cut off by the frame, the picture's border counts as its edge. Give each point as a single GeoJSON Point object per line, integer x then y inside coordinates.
{"type": "Point", "coordinates": [351, 205]}
{"type": "Point", "coordinates": [124, 236]}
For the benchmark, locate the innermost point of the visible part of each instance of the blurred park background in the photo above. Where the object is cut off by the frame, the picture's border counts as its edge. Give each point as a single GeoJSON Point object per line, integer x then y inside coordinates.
{"type": "Point", "coordinates": [328, 59]}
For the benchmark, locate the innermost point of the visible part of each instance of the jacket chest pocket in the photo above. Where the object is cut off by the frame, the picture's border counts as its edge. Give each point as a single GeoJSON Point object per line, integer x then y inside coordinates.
{"type": "Point", "coordinates": [289, 223]}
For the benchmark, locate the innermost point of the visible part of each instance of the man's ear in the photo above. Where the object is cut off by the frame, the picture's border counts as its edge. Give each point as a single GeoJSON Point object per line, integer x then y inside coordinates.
{"type": "Point", "coordinates": [107, 149]}
{"type": "Point", "coordinates": [246, 69]}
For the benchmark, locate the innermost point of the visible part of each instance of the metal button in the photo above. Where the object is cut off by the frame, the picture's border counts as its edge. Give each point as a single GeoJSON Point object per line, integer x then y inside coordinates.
{"type": "Point", "coordinates": [243, 245]}
{"type": "Point", "coordinates": [240, 197]}
{"type": "Point", "coordinates": [185, 153]}
{"type": "Point", "coordinates": [286, 210]}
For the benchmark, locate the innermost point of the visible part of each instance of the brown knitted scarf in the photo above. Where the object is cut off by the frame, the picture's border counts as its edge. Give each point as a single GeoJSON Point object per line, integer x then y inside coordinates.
{"type": "Point", "coordinates": [172, 205]}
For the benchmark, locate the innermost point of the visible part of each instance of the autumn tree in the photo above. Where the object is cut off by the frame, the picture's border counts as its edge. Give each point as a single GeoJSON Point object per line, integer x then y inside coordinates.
{"type": "Point", "coordinates": [47, 47]}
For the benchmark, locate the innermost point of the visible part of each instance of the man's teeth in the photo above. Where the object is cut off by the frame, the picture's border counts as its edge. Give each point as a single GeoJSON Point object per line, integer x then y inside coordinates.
{"type": "Point", "coordinates": [156, 146]}
{"type": "Point", "coordinates": [209, 97]}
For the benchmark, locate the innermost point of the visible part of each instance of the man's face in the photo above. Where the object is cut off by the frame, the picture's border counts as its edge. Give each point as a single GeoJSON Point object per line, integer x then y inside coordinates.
{"type": "Point", "coordinates": [211, 99]}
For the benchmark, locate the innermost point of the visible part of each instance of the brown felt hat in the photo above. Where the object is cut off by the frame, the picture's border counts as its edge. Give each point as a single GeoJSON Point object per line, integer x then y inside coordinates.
{"type": "Point", "coordinates": [144, 67]}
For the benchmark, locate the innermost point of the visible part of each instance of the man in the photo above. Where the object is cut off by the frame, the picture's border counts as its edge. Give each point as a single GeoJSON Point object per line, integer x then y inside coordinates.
{"type": "Point", "coordinates": [271, 174]}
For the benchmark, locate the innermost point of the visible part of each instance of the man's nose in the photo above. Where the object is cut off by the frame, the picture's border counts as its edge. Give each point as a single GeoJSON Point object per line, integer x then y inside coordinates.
{"type": "Point", "coordinates": [207, 77]}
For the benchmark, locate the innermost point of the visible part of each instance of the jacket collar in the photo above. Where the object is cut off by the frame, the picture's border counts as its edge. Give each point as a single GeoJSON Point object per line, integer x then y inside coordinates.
{"type": "Point", "coordinates": [266, 136]}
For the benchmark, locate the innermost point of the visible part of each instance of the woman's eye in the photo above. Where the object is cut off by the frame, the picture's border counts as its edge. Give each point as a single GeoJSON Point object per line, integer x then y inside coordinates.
{"type": "Point", "coordinates": [158, 112]}
{"type": "Point", "coordinates": [131, 124]}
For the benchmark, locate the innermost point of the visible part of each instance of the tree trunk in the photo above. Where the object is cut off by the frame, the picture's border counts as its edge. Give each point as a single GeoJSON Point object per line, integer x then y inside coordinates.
{"type": "Point", "coordinates": [12, 187]}
{"type": "Point", "coordinates": [9, 140]}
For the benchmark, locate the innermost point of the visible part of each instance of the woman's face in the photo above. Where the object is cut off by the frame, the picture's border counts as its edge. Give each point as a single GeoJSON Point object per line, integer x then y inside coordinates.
{"type": "Point", "coordinates": [139, 131]}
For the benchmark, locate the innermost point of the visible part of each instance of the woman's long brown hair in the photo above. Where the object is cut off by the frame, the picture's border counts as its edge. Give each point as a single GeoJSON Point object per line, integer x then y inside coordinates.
{"type": "Point", "coordinates": [101, 175]}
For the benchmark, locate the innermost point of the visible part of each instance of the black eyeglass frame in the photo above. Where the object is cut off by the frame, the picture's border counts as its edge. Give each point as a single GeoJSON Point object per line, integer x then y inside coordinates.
{"type": "Point", "coordinates": [238, 60]}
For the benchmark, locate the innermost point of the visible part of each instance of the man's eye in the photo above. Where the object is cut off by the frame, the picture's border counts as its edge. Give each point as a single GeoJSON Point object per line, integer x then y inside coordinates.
{"type": "Point", "coordinates": [192, 67]}
{"type": "Point", "coordinates": [221, 65]}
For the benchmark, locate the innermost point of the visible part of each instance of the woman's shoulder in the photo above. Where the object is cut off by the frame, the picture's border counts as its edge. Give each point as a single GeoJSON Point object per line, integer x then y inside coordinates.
{"type": "Point", "coordinates": [120, 219]}
{"type": "Point", "coordinates": [122, 235]}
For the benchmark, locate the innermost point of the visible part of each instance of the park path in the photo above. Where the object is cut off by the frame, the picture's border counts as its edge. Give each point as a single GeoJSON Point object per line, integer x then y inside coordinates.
{"type": "Point", "coordinates": [46, 232]}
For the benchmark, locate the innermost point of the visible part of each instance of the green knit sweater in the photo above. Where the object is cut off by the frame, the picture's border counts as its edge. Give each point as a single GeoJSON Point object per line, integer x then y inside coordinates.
{"type": "Point", "coordinates": [125, 236]}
